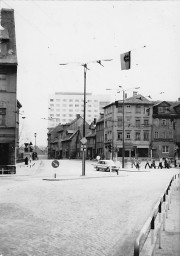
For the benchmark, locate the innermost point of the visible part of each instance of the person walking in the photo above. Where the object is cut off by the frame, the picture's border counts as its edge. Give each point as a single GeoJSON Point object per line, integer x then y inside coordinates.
{"type": "Point", "coordinates": [153, 164]}
{"type": "Point", "coordinates": [133, 162]}
{"type": "Point", "coordinates": [147, 163]}
{"type": "Point", "coordinates": [160, 163]}
{"type": "Point", "coordinates": [26, 161]}
{"type": "Point", "coordinates": [137, 164]}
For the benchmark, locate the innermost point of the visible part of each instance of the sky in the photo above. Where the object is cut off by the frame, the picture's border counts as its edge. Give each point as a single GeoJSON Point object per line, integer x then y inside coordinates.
{"type": "Point", "coordinates": [52, 32]}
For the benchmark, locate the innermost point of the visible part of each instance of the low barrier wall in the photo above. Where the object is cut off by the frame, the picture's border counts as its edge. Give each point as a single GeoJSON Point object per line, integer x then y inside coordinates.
{"type": "Point", "coordinates": [152, 226]}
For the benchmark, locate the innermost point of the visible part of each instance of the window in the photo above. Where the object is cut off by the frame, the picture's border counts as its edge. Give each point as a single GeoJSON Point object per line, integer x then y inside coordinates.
{"type": "Point", "coordinates": [51, 100]}
{"type": "Point", "coordinates": [137, 136]}
{"type": "Point", "coordinates": [64, 105]}
{"type": "Point", "coordinates": [120, 109]}
{"type": "Point", "coordinates": [163, 135]}
{"type": "Point", "coordinates": [3, 82]}
{"type": "Point", "coordinates": [52, 105]}
{"type": "Point", "coordinates": [138, 109]}
{"type": "Point", "coordinates": [146, 122]}
{"type": "Point", "coordinates": [160, 110]}
{"type": "Point", "coordinates": [70, 115]}
{"type": "Point", "coordinates": [137, 123]}
{"type": "Point", "coordinates": [70, 105]}
{"type": "Point", "coordinates": [64, 115]}
{"type": "Point", "coordinates": [146, 111]}
{"type": "Point", "coordinates": [170, 134]}
{"type": "Point", "coordinates": [64, 100]}
{"type": "Point", "coordinates": [146, 135]}
{"type": "Point", "coordinates": [128, 108]}
{"type": "Point", "coordinates": [120, 122]}
{"type": "Point", "coordinates": [76, 100]}
{"type": "Point", "coordinates": [76, 105]}
{"type": "Point", "coordinates": [128, 135]}
{"type": "Point", "coordinates": [119, 135]}
{"type": "Point", "coordinates": [57, 105]}
{"type": "Point", "coordinates": [70, 100]}
{"type": "Point", "coordinates": [58, 115]}
{"type": "Point", "coordinates": [156, 135]}
{"type": "Point", "coordinates": [2, 116]}
{"type": "Point", "coordinates": [165, 149]}
{"type": "Point", "coordinates": [58, 100]}
{"type": "Point", "coordinates": [163, 122]}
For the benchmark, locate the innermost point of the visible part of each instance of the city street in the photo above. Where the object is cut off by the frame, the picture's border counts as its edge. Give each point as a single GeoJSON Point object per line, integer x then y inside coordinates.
{"type": "Point", "coordinates": [96, 214]}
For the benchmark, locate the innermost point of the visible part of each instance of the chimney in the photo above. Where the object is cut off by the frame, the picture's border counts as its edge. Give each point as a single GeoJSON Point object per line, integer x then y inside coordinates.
{"type": "Point", "coordinates": [125, 96]}
{"type": "Point", "coordinates": [178, 99]}
{"type": "Point", "coordinates": [134, 94]}
{"type": "Point", "coordinates": [77, 116]}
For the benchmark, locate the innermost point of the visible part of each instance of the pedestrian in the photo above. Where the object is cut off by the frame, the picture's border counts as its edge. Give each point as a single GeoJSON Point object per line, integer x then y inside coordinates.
{"type": "Point", "coordinates": [26, 160]}
{"type": "Point", "coordinates": [153, 164]}
{"type": "Point", "coordinates": [160, 163]}
{"type": "Point", "coordinates": [137, 164]}
{"type": "Point", "coordinates": [98, 158]}
{"type": "Point", "coordinates": [133, 162]}
{"type": "Point", "coordinates": [166, 163]}
{"type": "Point", "coordinates": [147, 163]}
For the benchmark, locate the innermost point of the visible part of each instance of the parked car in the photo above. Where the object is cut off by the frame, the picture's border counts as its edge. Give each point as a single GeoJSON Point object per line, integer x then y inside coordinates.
{"type": "Point", "coordinates": [105, 165]}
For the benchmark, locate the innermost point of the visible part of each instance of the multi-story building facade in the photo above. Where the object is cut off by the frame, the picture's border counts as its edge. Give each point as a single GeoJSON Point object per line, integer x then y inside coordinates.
{"type": "Point", "coordinates": [134, 122]}
{"type": "Point", "coordinates": [64, 106]}
{"type": "Point", "coordinates": [8, 101]}
{"type": "Point", "coordinates": [100, 136]}
{"type": "Point", "coordinates": [166, 129]}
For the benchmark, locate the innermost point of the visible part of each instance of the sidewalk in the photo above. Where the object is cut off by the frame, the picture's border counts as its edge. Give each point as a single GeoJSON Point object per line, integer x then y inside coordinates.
{"type": "Point", "coordinates": [171, 235]}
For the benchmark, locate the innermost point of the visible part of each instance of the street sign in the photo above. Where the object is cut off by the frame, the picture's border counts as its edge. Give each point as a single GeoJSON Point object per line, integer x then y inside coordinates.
{"type": "Point", "coordinates": [83, 147]}
{"type": "Point", "coordinates": [55, 163]}
{"type": "Point", "coordinates": [83, 140]}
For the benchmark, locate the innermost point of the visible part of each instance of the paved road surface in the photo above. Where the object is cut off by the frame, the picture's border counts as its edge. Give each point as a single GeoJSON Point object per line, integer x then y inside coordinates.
{"type": "Point", "coordinates": [97, 215]}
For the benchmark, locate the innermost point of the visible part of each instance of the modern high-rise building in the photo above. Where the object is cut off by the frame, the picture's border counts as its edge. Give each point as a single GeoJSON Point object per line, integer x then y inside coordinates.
{"type": "Point", "coordinates": [64, 106]}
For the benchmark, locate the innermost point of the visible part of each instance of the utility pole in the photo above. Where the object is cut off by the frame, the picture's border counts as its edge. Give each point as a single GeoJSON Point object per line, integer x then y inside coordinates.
{"type": "Point", "coordinates": [84, 123]}
{"type": "Point", "coordinates": [84, 118]}
{"type": "Point", "coordinates": [123, 134]}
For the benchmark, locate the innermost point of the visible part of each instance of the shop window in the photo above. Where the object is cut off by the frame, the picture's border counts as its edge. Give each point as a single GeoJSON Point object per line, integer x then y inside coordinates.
{"type": "Point", "coordinates": [2, 116]}
{"type": "Point", "coordinates": [3, 82]}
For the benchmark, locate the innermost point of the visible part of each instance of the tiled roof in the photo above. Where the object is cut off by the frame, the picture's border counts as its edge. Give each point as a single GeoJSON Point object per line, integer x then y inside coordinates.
{"type": "Point", "coordinates": [137, 99]}
{"type": "Point", "coordinates": [69, 137]}
{"type": "Point", "coordinates": [7, 22]}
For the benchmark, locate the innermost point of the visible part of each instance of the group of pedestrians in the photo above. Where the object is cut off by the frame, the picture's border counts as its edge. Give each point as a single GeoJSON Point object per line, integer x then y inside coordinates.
{"type": "Point", "coordinates": [151, 163]}
{"type": "Point", "coordinates": [163, 163]}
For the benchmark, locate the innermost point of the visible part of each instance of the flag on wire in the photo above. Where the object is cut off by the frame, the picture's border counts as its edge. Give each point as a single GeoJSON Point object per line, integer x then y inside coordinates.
{"type": "Point", "coordinates": [126, 60]}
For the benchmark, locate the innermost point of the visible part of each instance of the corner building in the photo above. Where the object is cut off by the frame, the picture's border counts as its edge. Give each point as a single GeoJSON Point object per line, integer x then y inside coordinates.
{"type": "Point", "coordinates": [8, 99]}
{"type": "Point", "coordinates": [137, 122]}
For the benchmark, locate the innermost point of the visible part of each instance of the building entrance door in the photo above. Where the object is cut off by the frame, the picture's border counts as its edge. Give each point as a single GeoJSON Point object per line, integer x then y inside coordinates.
{"type": "Point", "coordinates": [4, 153]}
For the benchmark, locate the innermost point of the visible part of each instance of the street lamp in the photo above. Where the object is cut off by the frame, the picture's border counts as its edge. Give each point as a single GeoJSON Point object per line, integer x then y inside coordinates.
{"type": "Point", "coordinates": [35, 134]}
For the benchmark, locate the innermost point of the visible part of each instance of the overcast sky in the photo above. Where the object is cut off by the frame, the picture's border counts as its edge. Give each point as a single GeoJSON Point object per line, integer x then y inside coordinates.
{"type": "Point", "coordinates": [53, 32]}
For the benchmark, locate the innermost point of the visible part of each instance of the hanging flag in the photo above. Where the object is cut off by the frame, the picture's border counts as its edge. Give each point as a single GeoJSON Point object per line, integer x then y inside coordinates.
{"type": "Point", "coordinates": [126, 60]}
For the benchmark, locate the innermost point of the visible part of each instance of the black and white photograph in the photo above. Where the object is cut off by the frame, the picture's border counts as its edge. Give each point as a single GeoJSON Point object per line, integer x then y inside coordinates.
{"type": "Point", "coordinates": [89, 128]}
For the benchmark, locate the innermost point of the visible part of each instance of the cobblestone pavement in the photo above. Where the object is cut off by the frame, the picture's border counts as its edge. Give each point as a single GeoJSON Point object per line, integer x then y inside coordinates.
{"type": "Point", "coordinates": [97, 215]}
